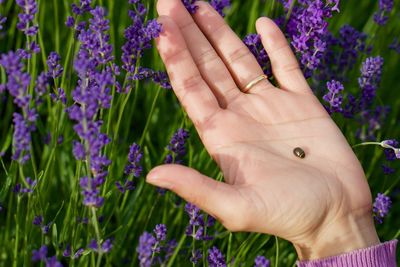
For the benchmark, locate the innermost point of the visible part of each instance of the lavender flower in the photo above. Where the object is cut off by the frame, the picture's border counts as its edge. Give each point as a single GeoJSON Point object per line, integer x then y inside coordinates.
{"type": "Point", "coordinates": [334, 97]}
{"type": "Point", "coordinates": [385, 7]}
{"type": "Point", "coordinates": [42, 81]}
{"type": "Point", "coordinates": [17, 85]}
{"type": "Point", "coordinates": [78, 253]}
{"type": "Point", "coordinates": [52, 262]}
{"type": "Point", "coordinates": [2, 21]}
{"type": "Point", "coordinates": [341, 54]}
{"type": "Point", "coordinates": [220, 5]}
{"type": "Point", "coordinates": [145, 249]}
{"type": "Point", "coordinates": [151, 246]}
{"type": "Point", "coordinates": [261, 261]}
{"type": "Point", "coordinates": [392, 150]}
{"type": "Point", "coordinates": [39, 255]}
{"type": "Point", "coordinates": [134, 157]}
{"type": "Point", "coordinates": [161, 232]}
{"type": "Point", "coordinates": [60, 96]}
{"type": "Point", "coordinates": [92, 94]}
{"type": "Point", "coordinates": [126, 186]}
{"type": "Point", "coordinates": [21, 139]}
{"type": "Point", "coordinates": [395, 45]}
{"type": "Point", "coordinates": [253, 42]}
{"type": "Point", "coordinates": [37, 220]}
{"type": "Point", "coordinates": [371, 72]}
{"type": "Point", "coordinates": [177, 147]}
{"type": "Point", "coordinates": [190, 5]}
{"type": "Point", "coordinates": [196, 256]}
{"type": "Point", "coordinates": [197, 223]}
{"type": "Point", "coordinates": [70, 22]}
{"type": "Point", "coordinates": [84, 7]}
{"type": "Point", "coordinates": [90, 191]}
{"type": "Point", "coordinates": [170, 248]}
{"type": "Point", "coordinates": [387, 170]}
{"type": "Point", "coordinates": [307, 28]}
{"type": "Point", "coordinates": [138, 37]}
{"type": "Point", "coordinates": [67, 251]}
{"type": "Point", "coordinates": [31, 184]}
{"type": "Point", "coordinates": [105, 247]}
{"type": "Point", "coordinates": [215, 258]}
{"type": "Point", "coordinates": [26, 18]}
{"type": "Point", "coordinates": [381, 207]}
{"type": "Point", "coordinates": [53, 63]}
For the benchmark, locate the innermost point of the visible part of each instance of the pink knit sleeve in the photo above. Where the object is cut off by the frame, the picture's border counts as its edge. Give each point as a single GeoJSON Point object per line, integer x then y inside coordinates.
{"type": "Point", "coordinates": [382, 255]}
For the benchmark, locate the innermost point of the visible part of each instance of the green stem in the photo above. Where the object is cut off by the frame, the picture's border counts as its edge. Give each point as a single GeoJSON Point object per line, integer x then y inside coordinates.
{"type": "Point", "coordinates": [228, 254]}
{"type": "Point", "coordinates": [276, 251]}
{"type": "Point", "coordinates": [56, 25]}
{"type": "Point", "coordinates": [15, 260]}
{"type": "Point", "coordinates": [396, 235]}
{"type": "Point", "coordinates": [96, 228]}
{"type": "Point", "coordinates": [153, 105]}
{"type": "Point", "coordinates": [177, 249]}
{"type": "Point", "coordinates": [367, 143]}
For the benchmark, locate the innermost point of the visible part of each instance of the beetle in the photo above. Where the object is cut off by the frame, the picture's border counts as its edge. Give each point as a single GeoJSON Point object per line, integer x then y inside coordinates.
{"type": "Point", "coordinates": [299, 152]}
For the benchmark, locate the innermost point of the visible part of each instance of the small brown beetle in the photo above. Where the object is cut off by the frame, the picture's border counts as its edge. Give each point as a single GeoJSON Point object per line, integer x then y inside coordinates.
{"type": "Point", "coordinates": [299, 152]}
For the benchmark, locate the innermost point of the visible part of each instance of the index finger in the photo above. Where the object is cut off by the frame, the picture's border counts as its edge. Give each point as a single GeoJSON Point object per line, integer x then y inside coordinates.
{"type": "Point", "coordinates": [188, 84]}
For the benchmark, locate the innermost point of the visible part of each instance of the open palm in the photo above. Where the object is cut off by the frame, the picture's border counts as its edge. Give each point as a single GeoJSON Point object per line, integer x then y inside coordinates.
{"type": "Point", "coordinates": [252, 135]}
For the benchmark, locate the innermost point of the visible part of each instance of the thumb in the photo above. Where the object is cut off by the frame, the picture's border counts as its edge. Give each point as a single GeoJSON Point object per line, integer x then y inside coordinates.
{"type": "Point", "coordinates": [220, 200]}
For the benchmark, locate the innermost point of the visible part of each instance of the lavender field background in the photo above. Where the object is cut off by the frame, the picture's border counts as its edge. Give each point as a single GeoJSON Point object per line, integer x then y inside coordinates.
{"type": "Point", "coordinates": [86, 111]}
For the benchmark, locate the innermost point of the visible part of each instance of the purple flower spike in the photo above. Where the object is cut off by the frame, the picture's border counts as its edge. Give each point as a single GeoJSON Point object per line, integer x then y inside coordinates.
{"type": "Point", "coordinates": [385, 7]}
{"type": "Point", "coordinates": [220, 5]}
{"type": "Point", "coordinates": [371, 73]}
{"type": "Point", "coordinates": [197, 224]}
{"type": "Point", "coordinates": [17, 85]}
{"type": "Point", "coordinates": [92, 94]}
{"type": "Point", "coordinates": [145, 249]}
{"type": "Point", "coordinates": [177, 147]}
{"type": "Point", "coordinates": [37, 220]}
{"type": "Point", "coordinates": [67, 251]}
{"type": "Point", "coordinates": [53, 63]}
{"type": "Point", "coordinates": [387, 170]}
{"type": "Point", "coordinates": [53, 262]}
{"type": "Point", "coordinates": [308, 30]}
{"type": "Point", "coordinates": [2, 21]}
{"type": "Point", "coordinates": [215, 258]}
{"type": "Point", "coordinates": [196, 256]}
{"type": "Point", "coordinates": [395, 45]}
{"type": "Point", "coordinates": [105, 247]}
{"type": "Point", "coordinates": [78, 253]}
{"type": "Point", "coordinates": [334, 96]}
{"type": "Point", "coordinates": [261, 261]}
{"type": "Point", "coordinates": [161, 232]}
{"type": "Point", "coordinates": [41, 254]}
{"type": "Point", "coordinates": [190, 5]}
{"type": "Point", "coordinates": [253, 42]}
{"type": "Point", "coordinates": [70, 22]}
{"type": "Point", "coordinates": [134, 158]}
{"type": "Point", "coordinates": [381, 207]}
{"type": "Point", "coordinates": [30, 8]}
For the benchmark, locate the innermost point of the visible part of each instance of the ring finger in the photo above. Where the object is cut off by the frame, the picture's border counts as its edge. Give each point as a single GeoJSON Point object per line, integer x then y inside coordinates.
{"type": "Point", "coordinates": [237, 57]}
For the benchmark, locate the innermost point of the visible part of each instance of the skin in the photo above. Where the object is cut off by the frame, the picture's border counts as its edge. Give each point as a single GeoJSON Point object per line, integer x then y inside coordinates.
{"type": "Point", "coordinates": [322, 203]}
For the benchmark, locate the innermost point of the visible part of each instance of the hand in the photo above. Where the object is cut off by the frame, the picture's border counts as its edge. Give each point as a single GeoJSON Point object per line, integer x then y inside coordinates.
{"type": "Point", "coordinates": [321, 203]}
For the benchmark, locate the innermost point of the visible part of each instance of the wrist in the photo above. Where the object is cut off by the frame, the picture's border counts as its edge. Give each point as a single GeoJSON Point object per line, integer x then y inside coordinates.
{"type": "Point", "coordinates": [343, 235]}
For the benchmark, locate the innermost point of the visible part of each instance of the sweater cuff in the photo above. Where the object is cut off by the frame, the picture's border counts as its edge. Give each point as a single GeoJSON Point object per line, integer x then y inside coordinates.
{"type": "Point", "coordinates": [376, 256]}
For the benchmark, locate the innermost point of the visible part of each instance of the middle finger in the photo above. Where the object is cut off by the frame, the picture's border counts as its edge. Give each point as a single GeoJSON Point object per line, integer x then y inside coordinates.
{"type": "Point", "coordinates": [211, 66]}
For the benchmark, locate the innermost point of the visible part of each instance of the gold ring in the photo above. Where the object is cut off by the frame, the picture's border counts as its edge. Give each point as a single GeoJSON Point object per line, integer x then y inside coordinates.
{"type": "Point", "coordinates": [254, 82]}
